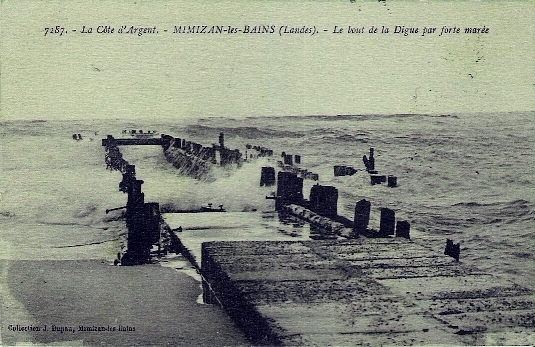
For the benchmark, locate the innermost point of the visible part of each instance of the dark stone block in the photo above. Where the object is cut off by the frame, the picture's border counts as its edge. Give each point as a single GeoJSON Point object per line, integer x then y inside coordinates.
{"type": "Point", "coordinates": [453, 250]}
{"type": "Point", "coordinates": [289, 189]}
{"type": "Point", "coordinates": [362, 216]}
{"type": "Point", "coordinates": [267, 176]}
{"type": "Point", "coordinates": [369, 163]}
{"type": "Point", "coordinates": [388, 221]}
{"type": "Point", "coordinates": [152, 222]}
{"type": "Point", "coordinates": [403, 229]}
{"type": "Point", "coordinates": [377, 179]}
{"type": "Point", "coordinates": [350, 171]}
{"type": "Point", "coordinates": [371, 160]}
{"type": "Point", "coordinates": [288, 159]}
{"type": "Point", "coordinates": [339, 170]}
{"type": "Point", "coordinates": [324, 200]}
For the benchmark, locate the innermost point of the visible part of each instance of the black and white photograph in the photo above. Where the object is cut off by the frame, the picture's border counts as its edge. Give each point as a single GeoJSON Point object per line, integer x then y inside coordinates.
{"type": "Point", "coordinates": [267, 173]}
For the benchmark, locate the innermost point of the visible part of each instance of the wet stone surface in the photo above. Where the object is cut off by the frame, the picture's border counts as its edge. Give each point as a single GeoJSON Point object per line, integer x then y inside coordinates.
{"type": "Point", "coordinates": [363, 292]}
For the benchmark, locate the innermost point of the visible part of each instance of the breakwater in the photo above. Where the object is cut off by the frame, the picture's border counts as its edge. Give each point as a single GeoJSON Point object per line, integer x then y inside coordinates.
{"type": "Point", "coordinates": [188, 157]}
{"type": "Point", "coordinates": [145, 227]}
{"type": "Point", "coordinates": [321, 210]}
{"type": "Point", "coordinates": [196, 160]}
{"type": "Point", "coordinates": [143, 219]}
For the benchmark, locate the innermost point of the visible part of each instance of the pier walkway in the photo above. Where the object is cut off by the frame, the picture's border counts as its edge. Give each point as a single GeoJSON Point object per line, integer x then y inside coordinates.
{"type": "Point", "coordinates": [363, 292]}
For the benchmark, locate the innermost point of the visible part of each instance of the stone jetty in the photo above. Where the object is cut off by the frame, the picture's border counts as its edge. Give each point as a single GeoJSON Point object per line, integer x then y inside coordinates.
{"type": "Point", "coordinates": [190, 158]}
{"type": "Point", "coordinates": [364, 292]}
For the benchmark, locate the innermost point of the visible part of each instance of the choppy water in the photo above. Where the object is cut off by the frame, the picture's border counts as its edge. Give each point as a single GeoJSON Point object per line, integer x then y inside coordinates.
{"type": "Point", "coordinates": [466, 177]}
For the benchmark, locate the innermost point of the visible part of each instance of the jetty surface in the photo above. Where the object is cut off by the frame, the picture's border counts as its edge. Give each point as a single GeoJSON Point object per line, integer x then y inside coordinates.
{"type": "Point", "coordinates": [362, 292]}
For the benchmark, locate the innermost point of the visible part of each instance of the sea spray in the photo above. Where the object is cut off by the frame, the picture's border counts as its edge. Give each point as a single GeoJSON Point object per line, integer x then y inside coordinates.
{"type": "Point", "coordinates": [237, 189]}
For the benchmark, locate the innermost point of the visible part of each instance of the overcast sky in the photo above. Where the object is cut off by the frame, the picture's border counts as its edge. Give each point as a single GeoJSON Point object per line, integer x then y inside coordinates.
{"type": "Point", "coordinates": [162, 76]}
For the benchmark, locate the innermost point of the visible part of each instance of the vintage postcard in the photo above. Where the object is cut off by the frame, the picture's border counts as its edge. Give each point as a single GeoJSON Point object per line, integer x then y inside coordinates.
{"type": "Point", "coordinates": [243, 173]}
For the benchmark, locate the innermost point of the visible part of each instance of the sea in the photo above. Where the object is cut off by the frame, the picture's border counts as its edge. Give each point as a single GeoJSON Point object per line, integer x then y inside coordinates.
{"type": "Point", "coordinates": [465, 177]}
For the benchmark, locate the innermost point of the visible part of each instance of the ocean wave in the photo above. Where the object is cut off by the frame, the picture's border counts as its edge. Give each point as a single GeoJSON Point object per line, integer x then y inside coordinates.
{"type": "Point", "coordinates": [7, 214]}
{"type": "Point", "coordinates": [360, 116]}
{"type": "Point", "coordinates": [473, 204]}
{"type": "Point", "coordinates": [465, 215]}
{"type": "Point", "coordinates": [314, 118]}
{"type": "Point", "coordinates": [366, 116]}
{"type": "Point", "coordinates": [454, 116]}
{"type": "Point", "coordinates": [328, 137]}
{"type": "Point", "coordinates": [249, 132]}
{"type": "Point", "coordinates": [516, 204]}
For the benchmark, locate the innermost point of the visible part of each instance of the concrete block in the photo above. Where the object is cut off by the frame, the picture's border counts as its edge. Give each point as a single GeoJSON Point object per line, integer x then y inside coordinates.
{"type": "Point", "coordinates": [387, 224]}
